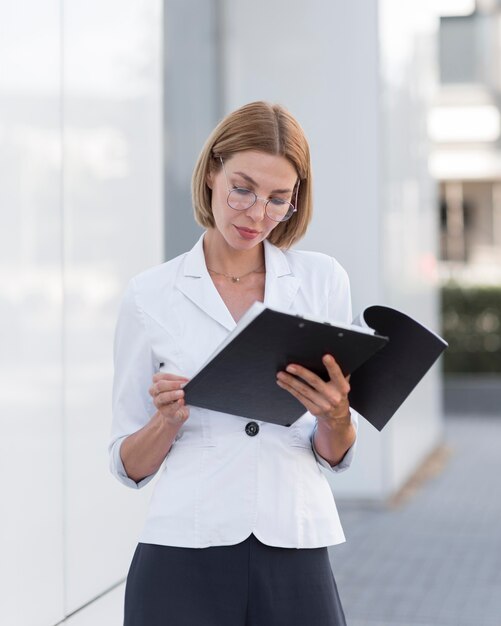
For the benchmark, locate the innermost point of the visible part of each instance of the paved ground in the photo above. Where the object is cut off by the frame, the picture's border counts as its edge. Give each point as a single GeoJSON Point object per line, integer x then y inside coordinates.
{"type": "Point", "coordinates": [434, 559]}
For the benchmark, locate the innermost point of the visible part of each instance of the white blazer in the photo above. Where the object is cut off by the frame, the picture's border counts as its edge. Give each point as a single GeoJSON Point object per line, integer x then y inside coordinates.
{"type": "Point", "coordinates": [218, 484]}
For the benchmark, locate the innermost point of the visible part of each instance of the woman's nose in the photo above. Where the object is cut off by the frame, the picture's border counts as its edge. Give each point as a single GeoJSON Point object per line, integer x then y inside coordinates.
{"type": "Point", "coordinates": [258, 210]}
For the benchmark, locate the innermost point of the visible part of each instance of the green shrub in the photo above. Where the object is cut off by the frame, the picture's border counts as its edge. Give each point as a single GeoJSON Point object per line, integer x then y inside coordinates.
{"type": "Point", "coordinates": [471, 324]}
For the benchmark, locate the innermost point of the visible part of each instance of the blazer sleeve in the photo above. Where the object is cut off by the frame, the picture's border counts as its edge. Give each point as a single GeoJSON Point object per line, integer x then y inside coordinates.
{"type": "Point", "coordinates": [134, 366]}
{"type": "Point", "coordinates": [339, 308]}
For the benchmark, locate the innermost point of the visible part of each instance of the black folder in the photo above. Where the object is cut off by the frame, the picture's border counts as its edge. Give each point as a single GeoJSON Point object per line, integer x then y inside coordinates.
{"type": "Point", "coordinates": [386, 361]}
{"type": "Point", "coordinates": [381, 384]}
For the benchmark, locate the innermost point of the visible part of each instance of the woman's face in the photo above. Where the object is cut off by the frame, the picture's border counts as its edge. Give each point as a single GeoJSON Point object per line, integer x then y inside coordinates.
{"type": "Point", "coordinates": [267, 175]}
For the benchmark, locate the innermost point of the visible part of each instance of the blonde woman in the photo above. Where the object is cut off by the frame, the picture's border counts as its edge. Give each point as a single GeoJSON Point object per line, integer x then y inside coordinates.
{"type": "Point", "coordinates": [241, 515]}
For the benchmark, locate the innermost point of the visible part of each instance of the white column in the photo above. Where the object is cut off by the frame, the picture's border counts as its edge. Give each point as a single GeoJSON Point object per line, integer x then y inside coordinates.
{"type": "Point", "coordinates": [81, 211]}
{"type": "Point", "coordinates": [113, 228]}
{"type": "Point", "coordinates": [31, 387]}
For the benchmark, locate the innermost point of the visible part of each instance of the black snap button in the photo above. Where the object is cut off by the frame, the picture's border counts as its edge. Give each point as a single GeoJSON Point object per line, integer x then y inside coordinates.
{"type": "Point", "coordinates": [252, 429]}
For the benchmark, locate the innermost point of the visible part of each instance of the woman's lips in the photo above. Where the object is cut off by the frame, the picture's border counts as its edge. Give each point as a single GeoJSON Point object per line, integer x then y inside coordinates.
{"type": "Point", "coordinates": [247, 233]}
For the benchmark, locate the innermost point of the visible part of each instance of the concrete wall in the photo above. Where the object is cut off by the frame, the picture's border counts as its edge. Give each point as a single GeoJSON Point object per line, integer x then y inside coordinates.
{"type": "Point", "coordinates": [80, 212]}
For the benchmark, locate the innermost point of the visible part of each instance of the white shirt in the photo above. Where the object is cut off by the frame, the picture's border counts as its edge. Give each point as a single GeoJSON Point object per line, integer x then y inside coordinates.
{"type": "Point", "coordinates": [218, 484]}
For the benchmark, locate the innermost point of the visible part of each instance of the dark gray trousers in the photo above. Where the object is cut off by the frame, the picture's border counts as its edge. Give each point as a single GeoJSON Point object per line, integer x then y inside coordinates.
{"type": "Point", "coordinates": [248, 584]}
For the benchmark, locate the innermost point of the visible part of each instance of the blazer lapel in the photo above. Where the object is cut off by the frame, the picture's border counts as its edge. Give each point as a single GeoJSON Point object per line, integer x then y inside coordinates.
{"type": "Point", "coordinates": [196, 284]}
{"type": "Point", "coordinates": [281, 285]}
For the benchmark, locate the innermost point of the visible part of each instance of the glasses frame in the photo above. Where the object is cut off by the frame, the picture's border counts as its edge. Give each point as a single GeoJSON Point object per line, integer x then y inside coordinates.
{"type": "Point", "coordinates": [256, 198]}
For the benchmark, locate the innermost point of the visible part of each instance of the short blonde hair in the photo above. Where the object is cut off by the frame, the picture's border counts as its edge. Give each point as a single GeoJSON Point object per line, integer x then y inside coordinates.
{"type": "Point", "coordinates": [267, 128]}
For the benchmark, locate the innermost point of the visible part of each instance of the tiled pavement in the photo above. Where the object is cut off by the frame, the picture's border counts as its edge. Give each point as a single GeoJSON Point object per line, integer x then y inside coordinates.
{"type": "Point", "coordinates": [435, 558]}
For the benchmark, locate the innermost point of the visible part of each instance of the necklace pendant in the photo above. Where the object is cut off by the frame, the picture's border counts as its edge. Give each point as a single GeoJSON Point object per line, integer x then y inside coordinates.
{"type": "Point", "coordinates": [235, 279]}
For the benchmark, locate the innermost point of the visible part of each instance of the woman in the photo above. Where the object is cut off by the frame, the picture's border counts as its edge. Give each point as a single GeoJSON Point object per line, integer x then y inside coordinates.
{"type": "Point", "coordinates": [241, 515]}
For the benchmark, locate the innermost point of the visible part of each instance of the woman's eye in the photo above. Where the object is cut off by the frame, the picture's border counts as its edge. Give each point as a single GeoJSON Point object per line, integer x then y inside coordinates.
{"type": "Point", "coordinates": [278, 201]}
{"type": "Point", "coordinates": [241, 191]}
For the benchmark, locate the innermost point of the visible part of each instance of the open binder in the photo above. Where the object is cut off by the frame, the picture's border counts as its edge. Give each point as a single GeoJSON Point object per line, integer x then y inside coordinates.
{"type": "Point", "coordinates": [385, 351]}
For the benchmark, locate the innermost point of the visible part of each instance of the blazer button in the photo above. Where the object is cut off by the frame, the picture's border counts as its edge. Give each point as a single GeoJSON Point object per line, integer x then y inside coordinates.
{"type": "Point", "coordinates": [252, 429]}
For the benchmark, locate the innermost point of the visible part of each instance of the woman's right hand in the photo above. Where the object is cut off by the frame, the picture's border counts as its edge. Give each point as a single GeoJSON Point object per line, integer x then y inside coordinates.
{"type": "Point", "coordinates": [168, 397]}
{"type": "Point", "coordinates": [144, 451]}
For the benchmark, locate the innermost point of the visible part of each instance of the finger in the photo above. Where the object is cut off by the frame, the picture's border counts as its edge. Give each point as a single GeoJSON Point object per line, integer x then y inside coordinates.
{"type": "Point", "coordinates": [326, 395]}
{"type": "Point", "coordinates": [168, 385]}
{"type": "Point", "coordinates": [307, 375]}
{"type": "Point", "coordinates": [169, 397]}
{"type": "Point", "coordinates": [176, 410]}
{"type": "Point", "coordinates": [319, 409]}
{"type": "Point", "coordinates": [336, 374]}
{"type": "Point", "coordinates": [166, 376]}
{"type": "Point", "coordinates": [304, 390]}
{"type": "Point", "coordinates": [306, 402]}
{"type": "Point", "coordinates": [163, 386]}
{"type": "Point", "coordinates": [183, 412]}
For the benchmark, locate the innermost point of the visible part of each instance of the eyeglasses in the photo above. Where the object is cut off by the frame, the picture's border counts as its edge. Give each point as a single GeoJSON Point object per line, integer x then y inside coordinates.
{"type": "Point", "coordinates": [241, 199]}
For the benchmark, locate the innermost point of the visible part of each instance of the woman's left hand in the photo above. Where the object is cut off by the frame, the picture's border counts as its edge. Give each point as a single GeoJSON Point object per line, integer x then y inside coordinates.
{"type": "Point", "coordinates": [325, 400]}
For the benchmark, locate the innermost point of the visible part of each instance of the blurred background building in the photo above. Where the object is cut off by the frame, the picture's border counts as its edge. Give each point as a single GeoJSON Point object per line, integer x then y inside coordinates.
{"type": "Point", "coordinates": [464, 125]}
{"type": "Point", "coordinates": [104, 107]}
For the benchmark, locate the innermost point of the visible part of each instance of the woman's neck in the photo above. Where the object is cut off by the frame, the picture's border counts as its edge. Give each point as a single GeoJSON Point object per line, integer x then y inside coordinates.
{"type": "Point", "coordinates": [220, 257]}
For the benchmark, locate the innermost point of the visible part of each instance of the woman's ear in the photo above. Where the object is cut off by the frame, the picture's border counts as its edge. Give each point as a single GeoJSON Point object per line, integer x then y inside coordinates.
{"type": "Point", "coordinates": [209, 179]}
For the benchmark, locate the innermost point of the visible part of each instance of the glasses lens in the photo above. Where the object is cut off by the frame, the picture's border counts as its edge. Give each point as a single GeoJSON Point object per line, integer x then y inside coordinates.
{"type": "Point", "coordinates": [279, 210]}
{"type": "Point", "coordinates": [241, 199]}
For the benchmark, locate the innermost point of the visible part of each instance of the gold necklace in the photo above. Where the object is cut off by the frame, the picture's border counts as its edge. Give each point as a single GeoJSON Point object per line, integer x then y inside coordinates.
{"type": "Point", "coordinates": [237, 279]}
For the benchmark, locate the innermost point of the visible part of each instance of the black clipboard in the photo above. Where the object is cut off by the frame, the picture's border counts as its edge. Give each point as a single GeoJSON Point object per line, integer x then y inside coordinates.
{"type": "Point", "coordinates": [240, 378]}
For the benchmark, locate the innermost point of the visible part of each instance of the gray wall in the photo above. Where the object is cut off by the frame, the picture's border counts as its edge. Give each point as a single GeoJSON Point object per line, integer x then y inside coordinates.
{"type": "Point", "coordinates": [192, 95]}
{"type": "Point", "coordinates": [359, 77]}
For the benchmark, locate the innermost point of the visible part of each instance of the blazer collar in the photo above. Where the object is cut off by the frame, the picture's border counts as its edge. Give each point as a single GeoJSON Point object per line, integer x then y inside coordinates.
{"type": "Point", "coordinates": [281, 285]}
{"type": "Point", "coordinates": [196, 284]}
